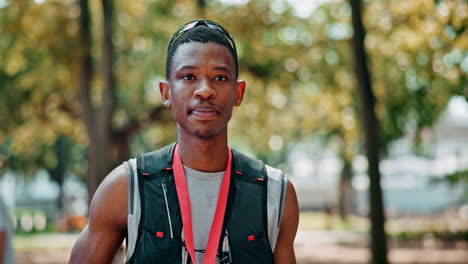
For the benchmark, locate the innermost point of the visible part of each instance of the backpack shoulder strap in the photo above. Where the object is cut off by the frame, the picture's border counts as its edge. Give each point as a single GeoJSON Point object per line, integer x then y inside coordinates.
{"type": "Point", "coordinates": [134, 207]}
{"type": "Point", "coordinates": [276, 195]}
{"type": "Point", "coordinates": [247, 166]}
{"type": "Point", "coordinates": [155, 161]}
{"type": "Point", "coordinates": [145, 164]}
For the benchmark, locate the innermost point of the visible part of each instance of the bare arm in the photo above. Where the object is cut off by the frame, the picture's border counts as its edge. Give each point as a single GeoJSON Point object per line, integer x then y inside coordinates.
{"type": "Point", "coordinates": [284, 250]}
{"type": "Point", "coordinates": [3, 237]}
{"type": "Point", "coordinates": [102, 237]}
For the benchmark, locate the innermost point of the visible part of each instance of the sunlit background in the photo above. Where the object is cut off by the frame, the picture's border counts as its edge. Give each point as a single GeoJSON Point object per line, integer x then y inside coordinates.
{"type": "Point", "coordinates": [301, 113]}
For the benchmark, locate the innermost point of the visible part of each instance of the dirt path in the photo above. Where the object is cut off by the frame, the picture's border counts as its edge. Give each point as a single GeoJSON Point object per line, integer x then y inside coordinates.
{"type": "Point", "coordinates": [312, 247]}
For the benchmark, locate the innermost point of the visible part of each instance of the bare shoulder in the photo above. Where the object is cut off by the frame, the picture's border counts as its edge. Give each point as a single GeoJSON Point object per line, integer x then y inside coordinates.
{"type": "Point", "coordinates": [290, 219]}
{"type": "Point", "coordinates": [109, 203]}
{"type": "Point", "coordinates": [284, 250]}
{"type": "Point", "coordinates": [107, 224]}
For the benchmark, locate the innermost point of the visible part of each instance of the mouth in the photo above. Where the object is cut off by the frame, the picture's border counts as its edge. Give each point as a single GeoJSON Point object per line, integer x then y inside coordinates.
{"type": "Point", "coordinates": [204, 112]}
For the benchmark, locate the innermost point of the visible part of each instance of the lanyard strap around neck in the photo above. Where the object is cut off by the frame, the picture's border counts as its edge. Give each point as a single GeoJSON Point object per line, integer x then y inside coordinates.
{"type": "Point", "coordinates": [184, 203]}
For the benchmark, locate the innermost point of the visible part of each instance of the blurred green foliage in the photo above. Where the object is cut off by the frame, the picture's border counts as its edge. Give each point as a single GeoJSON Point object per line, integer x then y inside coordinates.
{"type": "Point", "coordinates": [299, 72]}
{"type": "Point", "coordinates": [446, 236]}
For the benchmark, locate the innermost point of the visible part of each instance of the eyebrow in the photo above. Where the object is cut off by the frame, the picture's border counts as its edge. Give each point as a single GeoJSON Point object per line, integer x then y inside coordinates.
{"type": "Point", "coordinates": [191, 67]}
{"type": "Point", "coordinates": [187, 67]}
{"type": "Point", "coordinates": [221, 68]}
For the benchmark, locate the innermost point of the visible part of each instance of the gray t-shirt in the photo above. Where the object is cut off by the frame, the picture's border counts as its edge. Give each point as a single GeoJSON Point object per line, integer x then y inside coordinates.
{"type": "Point", "coordinates": [203, 189]}
{"type": "Point", "coordinates": [6, 226]}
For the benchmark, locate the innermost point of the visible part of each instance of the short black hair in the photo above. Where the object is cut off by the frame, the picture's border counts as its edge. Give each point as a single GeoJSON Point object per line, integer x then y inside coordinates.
{"type": "Point", "coordinates": [202, 34]}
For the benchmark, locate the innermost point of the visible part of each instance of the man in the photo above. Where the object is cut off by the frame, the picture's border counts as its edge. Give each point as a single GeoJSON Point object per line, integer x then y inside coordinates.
{"type": "Point", "coordinates": [195, 201]}
{"type": "Point", "coordinates": [6, 231]}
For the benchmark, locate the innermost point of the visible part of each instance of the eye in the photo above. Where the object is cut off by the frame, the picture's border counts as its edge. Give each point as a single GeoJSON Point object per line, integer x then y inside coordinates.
{"type": "Point", "coordinates": [220, 78]}
{"type": "Point", "coordinates": [188, 77]}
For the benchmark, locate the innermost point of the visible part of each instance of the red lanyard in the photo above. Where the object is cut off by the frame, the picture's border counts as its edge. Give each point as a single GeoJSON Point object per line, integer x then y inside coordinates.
{"type": "Point", "coordinates": [184, 203]}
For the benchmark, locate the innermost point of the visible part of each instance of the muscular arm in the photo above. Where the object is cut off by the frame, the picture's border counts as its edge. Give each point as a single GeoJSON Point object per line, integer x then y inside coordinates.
{"type": "Point", "coordinates": [284, 250]}
{"type": "Point", "coordinates": [102, 237]}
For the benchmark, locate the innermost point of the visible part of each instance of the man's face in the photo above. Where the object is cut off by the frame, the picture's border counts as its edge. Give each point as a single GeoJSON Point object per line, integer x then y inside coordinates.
{"type": "Point", "coordinates": [202, 88]}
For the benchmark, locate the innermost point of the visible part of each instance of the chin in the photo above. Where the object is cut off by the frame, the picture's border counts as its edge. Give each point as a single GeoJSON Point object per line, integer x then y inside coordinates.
{"type": "Point", "coordinates": [205, 134]}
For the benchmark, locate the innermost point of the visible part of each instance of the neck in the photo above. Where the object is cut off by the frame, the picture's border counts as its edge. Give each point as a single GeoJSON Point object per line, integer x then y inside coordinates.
{"type": "Point", "coordinates": [208, 155]}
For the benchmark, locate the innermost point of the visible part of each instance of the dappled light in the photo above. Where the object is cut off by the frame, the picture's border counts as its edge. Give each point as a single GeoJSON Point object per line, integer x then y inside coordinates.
{"type": "Point", "coordinates": [65, 124]}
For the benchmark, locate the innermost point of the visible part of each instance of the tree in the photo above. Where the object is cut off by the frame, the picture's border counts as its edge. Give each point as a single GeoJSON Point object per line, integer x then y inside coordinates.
{"type": "Point", "coordinates": [98, 118]}
{"type": "Point", "coordinates": [80, 106]}
{"type": "Point", "coordinates": [62, 151]}
{"type": "Point", "coordinates": [107, 146]}
{"type": "Point", "coordinates": [201, 4]}
{"type": "Point", "coordinates": [345, 188]}
{"type": "Point", "coordinates": [95, 153]}
{"type": "Point", "coordinates": [29, 138]}
{"type": "Point", "coordinates": [298, 70]}
{"type": "Point", "coordinates": [371, 133]}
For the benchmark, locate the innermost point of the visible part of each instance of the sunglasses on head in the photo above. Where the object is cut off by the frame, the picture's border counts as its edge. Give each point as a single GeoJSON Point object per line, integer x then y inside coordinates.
{"type": "Point", "coordinates": [202, 22]}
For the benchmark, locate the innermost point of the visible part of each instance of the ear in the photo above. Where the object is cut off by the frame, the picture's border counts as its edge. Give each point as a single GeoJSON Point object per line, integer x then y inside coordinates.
{"type": "Point", "coordinates": [240, 90]}
{"type": "Point", "coordinates": [165, 94]}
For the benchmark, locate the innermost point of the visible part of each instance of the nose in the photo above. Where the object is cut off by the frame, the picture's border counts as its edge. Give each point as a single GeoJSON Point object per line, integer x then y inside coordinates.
{"type": "Point", "coordinates": [204, 91]}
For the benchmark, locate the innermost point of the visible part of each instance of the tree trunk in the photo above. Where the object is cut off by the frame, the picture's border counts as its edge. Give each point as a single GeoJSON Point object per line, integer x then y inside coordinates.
{"type": "Point", "coordinates": [108, 98]}
{"type": "Point", "coordinates": [108, 93]}
{"type": "Point", "coordinates": [120, 147]}
{"type": "Point", "coordinates": [201, 4]}
{"type": "Point", "coordinates": [57, 174]}
{"type": "Point", "coordinates": [84, 92]}
{"type": "Point", "coordinates": [106, 147]}
{"type": "Point", "coordinates": [97, 120]}
{"type": "Point", "coordinates": [344, 189]}
{"type": "Point", "coordinates": [370, 125]}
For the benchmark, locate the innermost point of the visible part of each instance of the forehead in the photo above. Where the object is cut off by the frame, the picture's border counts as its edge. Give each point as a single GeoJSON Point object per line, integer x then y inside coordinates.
{"type": "Point", "coordinates": [197, 54]}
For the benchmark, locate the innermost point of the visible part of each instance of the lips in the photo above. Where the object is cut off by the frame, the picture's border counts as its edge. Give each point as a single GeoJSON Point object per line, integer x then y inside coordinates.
{"type": "Point", "coordinates": [204, 112]}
